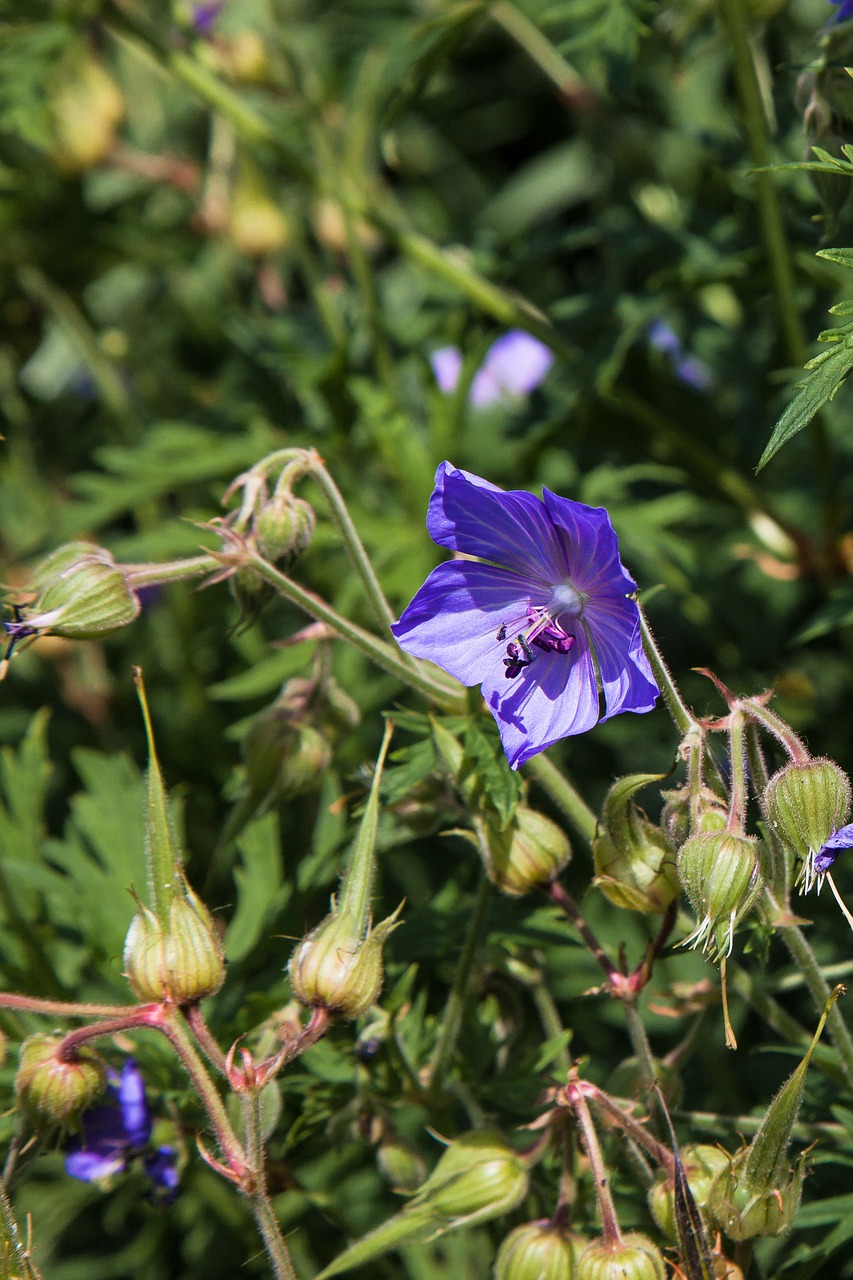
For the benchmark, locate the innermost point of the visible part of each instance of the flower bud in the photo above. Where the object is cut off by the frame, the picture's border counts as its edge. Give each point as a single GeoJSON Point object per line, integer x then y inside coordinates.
{"type": "Point", "coordinates": [86, 107]}
{"type": "Point", "coordinates": [702, 1163]}
{"type": "Point", "coordinates": [634, 859]}
{"type": "Point", "coordinates": [742, 1210]}
{"type": "Point", "coordinates": [284, 527]}
{"type": "Point", "coordinates": [707, 814]}
{"type": "Point", "coordinates": [81, 594]}
{"type": "Point", "coordinates": [478, 1177]}
{"type": "Point", "coordinates": [722, 875]}
{"type": "Point", "coordinates": [538, 1251]}
{"type": "Point", "coordinates": [635, 1257]}
{"type": "Point", "coordinates": [529, 852]}
{"type": "Point", "coordinates": [182, 963]}
{"type": "Point", "coordinates": [54, 1088]}
{"type": "Point", "coordinates": [283, 757]}
{"type": "Point", "coordinates": [337, 968]}
{"type": "Point", "coordinates": [805, 804]}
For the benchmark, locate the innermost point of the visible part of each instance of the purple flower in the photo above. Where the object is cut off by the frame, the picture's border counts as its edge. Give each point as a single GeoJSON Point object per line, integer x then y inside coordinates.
{"type": "Point", "coordinates": [841, 839]}
{"type": "Point", "coordinates": [845, 10]}
{"type": "Point", "coordinates": [204, 16]}
{"type": "Point", "coordinates": [688, 369]}
{"type": "Point", "coordinates": [114, 1134]}
{"type": "Point", "coordinates": [514, 366]}
{"type": "Point", "coordinates": [544, 603]}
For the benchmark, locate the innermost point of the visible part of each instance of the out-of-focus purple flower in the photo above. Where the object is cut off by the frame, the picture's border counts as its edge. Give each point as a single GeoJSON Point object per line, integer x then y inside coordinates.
{"type": "Point", "coordinates": [688, 369]}
{"type": "Point", "coordinates": [841, 839]}
{"type": "Point", "coordinates": [844, 10]}
{"type": "Point", "coordinates": [514, 366]}
{"type": "Point", "coordinates": [119, 1131]}
{"type": "Point", "coordinates": [543, 605]}
{"type": "Point", "coordinates": [205, 15]}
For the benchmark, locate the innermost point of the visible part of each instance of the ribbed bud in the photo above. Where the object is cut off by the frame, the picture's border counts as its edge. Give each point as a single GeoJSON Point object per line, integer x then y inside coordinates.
{"type": "Point", "coordinates": [722, 875]}
{"type": "Point", "coordinates": [742, 1209]}
{"type": "Point", "coordinates": [81, 594]}
{"type": "Point", "coordinates": [478, 1177]}
{"type": "Point", "coordinates": [86, 108]}
{"type": "Point", "coordinates": [53, 1089]}
{"type": "Point", "coordinates": [636, 1258]}
{"type": "Point", "coordinates": [335, 968]}
{"type": "Point", "coordinates": [805, 804]}
{"type": "Point", "coordinates": [634, 858]}
{"type": "Point", "coordinates": [400, 1164]}
{"type": "Point", "coordinates": [284, 527]}
{"type": "Point", "coordinates": [538, 1251]}
{"type": "Point", "coordinates": [702, 1164]}
{"type": "Point", "coordinates": [183, 963]}
{"type": "Point", "coordinates": [529, 852]}
{"type": "Point", "coordinates": [707, 814]}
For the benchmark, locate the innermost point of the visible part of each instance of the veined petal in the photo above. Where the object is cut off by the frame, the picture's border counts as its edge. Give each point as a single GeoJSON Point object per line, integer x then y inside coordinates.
{"type": "Point", "coordinates": [512, 529]}
{"type": "Point", "coordinates": [555, 697]}
{"type": "Point", "coordinates": [454, 618]}
{"type": "Point", "coordinates": [592, 550]}
{"type": "Point", "coordinates": [626, 677]}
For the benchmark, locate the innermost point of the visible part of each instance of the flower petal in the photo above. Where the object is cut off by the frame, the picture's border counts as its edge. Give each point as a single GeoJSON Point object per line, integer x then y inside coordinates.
{"type": "Point", "coordinates": [626, 677]}
{"type": "Point", "coordinates": [91, 1166]}
{"type": "Point", "coordinates": [454, 618]}
{"type": "Point", "coordinates": [518, 362]}
{"type": "Point", "coordinates": [826, 855]}
{"type": "Point", "coordinates": [485, 390]}
{"type": "Point", "coordinates": [555, 697]}
{"type": "Point", "coordinates": [512, 529]}
{"type": "Point", "coordinates": [134, 1108]}
{"type": "Point", "coordinates": [593, 563]}
{"type": "Point", "coordinates": [447, 366]}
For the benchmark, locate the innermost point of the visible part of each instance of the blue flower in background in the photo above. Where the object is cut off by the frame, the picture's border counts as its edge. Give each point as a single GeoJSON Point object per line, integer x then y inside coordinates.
{"type": "Point", "coordinates": [514, 366]}
{"type": "Point", "coordinates": [118, 1132]}
{"type": "Point", "coordinates": [544, 604]}
{"type": "Point", "coordinates": [688, 369]}
{"type": "Point", "coordinates": [825, 857]}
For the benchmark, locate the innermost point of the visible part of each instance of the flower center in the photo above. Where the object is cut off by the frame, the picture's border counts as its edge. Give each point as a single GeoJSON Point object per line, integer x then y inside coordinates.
{"type": "Point", "coordinates": [544, 629]}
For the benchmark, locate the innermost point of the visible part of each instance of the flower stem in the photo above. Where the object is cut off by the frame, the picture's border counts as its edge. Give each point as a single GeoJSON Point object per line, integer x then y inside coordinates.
{"type": "Point", "coordinates": [761, 714]}
{"type": "Point", "coordinates": [258, 1197]}
{"type": "Point", "coordinates": [640, 1044]}
{"type": "Point", "coordinates": [388, 658]}
{"type": "Point", "coordinates": [540, 50]}
{"type": "Point", "coordinates": [682, 718]}
{"type": "Point", "coordinates": [62, 1008]}
{"type": "Point", "coordinates": [451, 1023]}
{"type": "Point", "coordinates": [564, 795]}
{"type": "Point", "coordinates": [566, 903]}
{"type": "Point", "coordinates": [204, 1037]}
{"type": "Point", "coordinates": [736, 821]}
{"type": "Point", "coordinates": [806, 961]}
{"type": "Point", "coordinates": [607, 1210]}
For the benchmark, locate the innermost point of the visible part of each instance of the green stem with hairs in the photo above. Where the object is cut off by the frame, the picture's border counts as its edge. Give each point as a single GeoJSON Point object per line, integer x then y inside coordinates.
{"type": "Point", "coordinates": [683, 719]}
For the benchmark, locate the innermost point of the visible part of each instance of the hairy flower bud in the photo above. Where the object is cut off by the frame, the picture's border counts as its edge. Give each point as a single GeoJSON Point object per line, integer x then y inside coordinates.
{"type": "Point", "coordinates": [401, 1164]}
{"type": "Point", "coordinates": [478, 1177]}
{"type": "Point", "coordinates": [805, 804]}
{"type": "Point", "coordinates": [529, 852]}
{"type": "Point", "coordinates": [634, 859]}
{"type": "Point", "coordinates": [54, 1088]}
{"type": "Point", "coordinates": [742, 1210]}
{"type": "Point", "coordinates": [284, 527]}
{"type": "Point", "coordinates": [183, 962]}
{"type": "Point", "coordinates": [538, 1251]}
{"type": "Point", "coordinates": [722, 875]}
{"type": "Point", "coordinates": [635, 1257]}
{"type": "Point", "coordinates": [337, 968]}
{"type": "Point", "coordinates": [702, 1163]}
{"type": "Point", "coordinates": [81, 594]}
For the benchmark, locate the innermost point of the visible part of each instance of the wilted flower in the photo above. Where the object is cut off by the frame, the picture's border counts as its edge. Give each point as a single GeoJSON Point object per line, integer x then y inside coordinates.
{"type": "Point", "coordinates": [825, 857]}
{"type": "Point", "coordinates": [117, 1133]}
{"type": "Point", "coordinates": [514, 366]}
{"type": "Point", "coordinates": [534, 623]}
{"type": "Point", "coordinates": [688, 369]}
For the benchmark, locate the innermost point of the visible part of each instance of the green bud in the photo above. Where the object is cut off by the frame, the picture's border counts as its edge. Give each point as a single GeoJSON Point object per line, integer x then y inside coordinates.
{"type": "Point", "coordinates": [702, 1163]}
{"type": "Point", "coordinates": [805, 804]}
{"type": "Point", "coordinates": [284, 528]}
{"type": "Point", "coordinates": [477, 1178]}
{"type": "Point", "coordinates": [757, 1194]}
{"type": "Point", "coordinates": [722, 875]}
{"type": "Point", "coordinates": [634, 858]}
{"type": "Point", "coordinates": [81, 594]}
{"type": "Point", "coordinates": [338, 968]}
{"type": "Point", "coordinates": [529, 852]}
{"type": "Point", "coordinates": [538, 1251]}
{"type": "Point", "coordinates": [53, 1088]}
{"type": "Point", "coordinates": [400, 1164]}
{"type": "Point", "coordinates": [635, 1257]}
{"type": "Point", "coordinates": [707, 814]}
{"type": "Point", "coordinates": [182, 962]}
{"type": "Point", "coordinates": [284, 756]}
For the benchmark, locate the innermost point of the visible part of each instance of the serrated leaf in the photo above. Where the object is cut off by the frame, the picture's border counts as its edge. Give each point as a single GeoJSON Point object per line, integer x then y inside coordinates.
{"type": "Point", "coordinates": [826, 374]}
{"type": "Point", "coordinates": [500, 785]}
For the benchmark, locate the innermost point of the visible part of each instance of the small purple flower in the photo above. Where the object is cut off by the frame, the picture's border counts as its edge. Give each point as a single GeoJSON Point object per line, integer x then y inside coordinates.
{"type": "Point", "coordinates": [514, 366]}
{"type": "Point", "coordinates": [204, 16]}
{"type": "Point", "coordinates": [845, 10]}
{"type": "Point", "coordinates": [544, 604]}
{"type": "Point", "coordinates": [690, 370]}
{"type": "Point", "coordinates": [119, 1131]}
{"type": "Point", "coordinates": [841, 839]}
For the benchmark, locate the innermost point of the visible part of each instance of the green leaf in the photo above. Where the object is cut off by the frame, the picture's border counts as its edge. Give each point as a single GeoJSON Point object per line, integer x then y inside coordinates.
{"type": "Point", "coordinates": [260, 893]}
{"type": "Point", "coordinates": [826, 373]}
